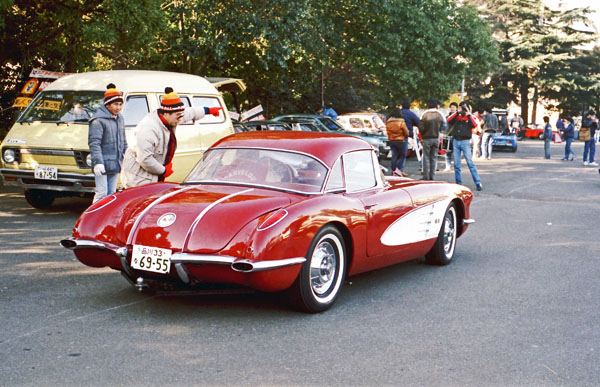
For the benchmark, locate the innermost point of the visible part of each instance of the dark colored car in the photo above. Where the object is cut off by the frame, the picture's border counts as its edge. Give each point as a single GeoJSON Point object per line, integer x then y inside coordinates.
{"type": "Point", "coordinates": [326, 124]}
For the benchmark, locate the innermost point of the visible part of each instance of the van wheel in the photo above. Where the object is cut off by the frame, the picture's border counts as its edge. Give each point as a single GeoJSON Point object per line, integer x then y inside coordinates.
{"type": "Point", "coordinates": [39, 198]}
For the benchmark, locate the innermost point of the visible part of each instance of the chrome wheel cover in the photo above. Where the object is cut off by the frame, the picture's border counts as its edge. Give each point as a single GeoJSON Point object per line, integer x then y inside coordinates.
{"type": "Point", "coordinates": [325, 263]}
{"type": "Point", "coordinates": [449, 232]}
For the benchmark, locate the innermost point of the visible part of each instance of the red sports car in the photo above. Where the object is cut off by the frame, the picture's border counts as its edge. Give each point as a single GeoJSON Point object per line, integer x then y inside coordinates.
{"type": "Point", "coordinates": [273, 211]}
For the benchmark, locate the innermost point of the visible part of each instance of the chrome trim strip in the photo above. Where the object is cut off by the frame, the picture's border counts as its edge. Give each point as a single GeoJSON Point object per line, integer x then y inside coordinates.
{"type": "Point", "coordinates": [268, 265]}
{"type": "Point", "coordinates": [201, 215]}
{"type": "Point", "coordinates": [149, 207]}
{"type": "Point", "coordinates": [468, 221]}
{"type": "Point", "coordinates": [202, 258]}
{"type": "Point", "coordinates": [47, 152]}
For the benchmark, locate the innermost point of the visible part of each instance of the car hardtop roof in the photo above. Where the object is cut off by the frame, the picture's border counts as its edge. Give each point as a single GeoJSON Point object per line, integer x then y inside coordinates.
{"type": "Point", "coordinates": [128, 81]}
{"type": "Point", "coordinates": [325, 146]}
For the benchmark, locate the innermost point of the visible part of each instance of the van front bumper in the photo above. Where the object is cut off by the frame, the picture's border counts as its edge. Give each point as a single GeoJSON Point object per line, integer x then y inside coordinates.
{"type": "Point", "coordinates": [66, 182]}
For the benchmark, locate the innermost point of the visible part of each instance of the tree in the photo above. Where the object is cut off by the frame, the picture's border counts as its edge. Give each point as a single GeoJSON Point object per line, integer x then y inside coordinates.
{"type": "Point", "coordinates": [541, 56]}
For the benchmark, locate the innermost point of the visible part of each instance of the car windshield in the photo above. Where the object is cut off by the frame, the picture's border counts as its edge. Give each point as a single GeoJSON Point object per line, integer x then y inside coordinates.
{"type": "Point", "coordinates": [63, 106]}
{"type": "Point", "coordinates": [283, 170]}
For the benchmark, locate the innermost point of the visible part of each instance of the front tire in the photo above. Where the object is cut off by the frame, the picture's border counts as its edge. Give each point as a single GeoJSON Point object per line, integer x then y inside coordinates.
{"type": "Point", "coordinates": [443, 250]}
{"type": "Point", "coordinates": [322, 275]}
{"type": "Point", "coordinates": [39, 198]}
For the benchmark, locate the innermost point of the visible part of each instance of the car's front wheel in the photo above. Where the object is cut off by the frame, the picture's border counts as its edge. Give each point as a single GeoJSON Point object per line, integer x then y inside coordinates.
{"type": "Point", "coordinates": [443, 249]}
{"type": "Point", "coordinates": [322, 275]}
{"type": "Point", "coordinates": [39, 198]}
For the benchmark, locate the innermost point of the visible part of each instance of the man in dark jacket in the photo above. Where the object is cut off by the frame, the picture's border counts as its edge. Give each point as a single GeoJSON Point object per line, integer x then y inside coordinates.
{"type": "Point", "coordinates": [589, 149]}
{"type": "Point", "coordinates": [490, 127]}
{"type": "Point", "coordinates": [107, 142]}
{"type": "Point", "coordinates": [463, 123]}
{"type": "Point", "coordinates": [432, 122]}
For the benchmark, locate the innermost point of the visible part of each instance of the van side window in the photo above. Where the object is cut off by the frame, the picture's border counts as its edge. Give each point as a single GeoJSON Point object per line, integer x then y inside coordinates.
{"type": "Point", "coordinates": [209, 102]}
{"type": "Point", "coordinates": [136, 107]}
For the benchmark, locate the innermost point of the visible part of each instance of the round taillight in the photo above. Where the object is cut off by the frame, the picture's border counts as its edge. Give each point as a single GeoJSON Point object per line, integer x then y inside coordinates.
{"type": "Point", "coordinates": [273, 219]}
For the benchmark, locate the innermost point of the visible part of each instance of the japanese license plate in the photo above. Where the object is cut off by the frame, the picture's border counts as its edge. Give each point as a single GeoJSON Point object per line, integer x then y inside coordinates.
{"type": "Point", "coordinates": [151, 259]}
{"type": "Point", "coordinates": [45, 172]}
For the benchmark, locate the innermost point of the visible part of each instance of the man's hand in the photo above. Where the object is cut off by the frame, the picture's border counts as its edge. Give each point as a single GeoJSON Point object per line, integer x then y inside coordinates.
{"type": "Point", "coordinates": [215, 111]}
{"type": "Point", "coordinates": [99, 170]}
{"type": "Point", "coordinates": [168, 170]}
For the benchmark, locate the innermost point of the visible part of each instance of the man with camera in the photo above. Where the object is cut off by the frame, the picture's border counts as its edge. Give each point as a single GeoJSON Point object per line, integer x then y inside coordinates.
{"type": "Point", "coordinates": [463, 123]}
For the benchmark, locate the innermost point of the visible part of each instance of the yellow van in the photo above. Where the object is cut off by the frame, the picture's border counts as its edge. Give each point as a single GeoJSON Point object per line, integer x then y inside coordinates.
{"type": "Point", "coordinates": [46, 150]}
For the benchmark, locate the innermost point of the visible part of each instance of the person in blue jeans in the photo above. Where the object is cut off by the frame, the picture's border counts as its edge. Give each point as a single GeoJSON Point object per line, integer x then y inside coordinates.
{"type": "Point", "coordinates": [463, 123]}
{"type": "Point", "coordinates": [569, 135]}
{"type": "Point", "coordinates": [547, 137]}
{"type": "Point", "coordinates": [589, 148]}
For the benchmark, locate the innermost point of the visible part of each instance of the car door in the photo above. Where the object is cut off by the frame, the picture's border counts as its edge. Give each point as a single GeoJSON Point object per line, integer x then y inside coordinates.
{"type": "Point", "coordinates": [383, 205]}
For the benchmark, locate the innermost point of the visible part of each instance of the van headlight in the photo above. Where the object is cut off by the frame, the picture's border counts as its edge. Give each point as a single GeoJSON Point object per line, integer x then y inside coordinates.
{"type": "Point", "coordinates": [88, 160]}
{"type": "Point", "coordinates": [9, 156]}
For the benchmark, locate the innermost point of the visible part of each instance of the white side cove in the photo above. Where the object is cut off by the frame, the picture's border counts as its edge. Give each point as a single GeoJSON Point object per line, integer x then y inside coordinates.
{"type": "Point", "coordinates": [418, 225]}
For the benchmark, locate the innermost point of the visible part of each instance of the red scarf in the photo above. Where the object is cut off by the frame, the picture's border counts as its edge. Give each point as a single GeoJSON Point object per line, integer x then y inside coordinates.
{"type": "Point", "coordinates": [171, 146]}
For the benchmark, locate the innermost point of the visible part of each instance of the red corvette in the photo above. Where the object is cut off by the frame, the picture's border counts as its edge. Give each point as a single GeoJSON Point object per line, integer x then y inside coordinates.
{"type": "Point", "coordinates": [273, 211]}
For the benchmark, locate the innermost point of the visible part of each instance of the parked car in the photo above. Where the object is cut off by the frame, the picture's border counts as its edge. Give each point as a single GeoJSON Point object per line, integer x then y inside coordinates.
{"type": "Point", "coordinates": [46, 151]}
{"type": "Point", "coordinates": [326, 124]}
{"type": "Point", "coordinates": [533, 131]}
{"type": "Point", "coordinates": [274, 211]}
{"type": "Point", "coordinates": [506, 140]}
{"type": "Point", "coordinates": [267, 125]}
{"type": "Point", "coordinates": [367, 122]}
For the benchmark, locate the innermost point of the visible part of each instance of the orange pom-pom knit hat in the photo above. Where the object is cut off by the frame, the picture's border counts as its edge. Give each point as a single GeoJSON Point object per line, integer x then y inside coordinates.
{"type": "Point", "coordinates": [112, 94]}
{"type": "Point", "coordinates": [171, 102]}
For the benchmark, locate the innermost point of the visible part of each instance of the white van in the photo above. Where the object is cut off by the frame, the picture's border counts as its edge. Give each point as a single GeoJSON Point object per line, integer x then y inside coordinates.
{"type": "Point", "coordinates": [363, 122]}
{"type": "Point", "coordinates": [46, 150]}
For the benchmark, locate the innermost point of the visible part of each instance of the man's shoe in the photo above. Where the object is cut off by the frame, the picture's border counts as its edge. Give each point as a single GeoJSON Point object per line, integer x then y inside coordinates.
{"type": "Point", "coordinates": [586, 163]}
{"type": "Point", "coordinates": [594, 164]}
{"type": "Point", "coordinates": [479, 187]}
{"type": "Point", "coordinates": [564, 159]}
{"type": "Point", "coordinates": [573, 159]}
{"type": "Point", "coordinates": [397, 172]}
{"type": "Point", "coordinates": [404, 174]}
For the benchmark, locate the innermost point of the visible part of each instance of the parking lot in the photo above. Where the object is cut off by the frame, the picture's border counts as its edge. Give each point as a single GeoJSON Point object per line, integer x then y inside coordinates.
{"type": "Point", "coordinates": [519, 306]}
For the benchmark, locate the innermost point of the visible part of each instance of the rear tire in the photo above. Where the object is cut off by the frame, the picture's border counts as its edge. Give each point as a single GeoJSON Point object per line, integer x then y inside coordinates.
{"type": "Point", "coordinates": [39, 198]}
{"type": "Point", "coordinates": [442, 251]}
{"type": "Point", "coordinates": [322, 275]}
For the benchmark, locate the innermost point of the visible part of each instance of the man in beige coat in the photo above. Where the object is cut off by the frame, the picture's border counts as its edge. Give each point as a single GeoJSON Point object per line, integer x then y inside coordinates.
{"type": "Point", "coordinates": [149, 158]}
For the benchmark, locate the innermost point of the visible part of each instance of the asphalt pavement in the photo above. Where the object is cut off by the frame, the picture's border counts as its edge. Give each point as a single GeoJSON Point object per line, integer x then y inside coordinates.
{"type": "Point", "coordinates": [519, 306]}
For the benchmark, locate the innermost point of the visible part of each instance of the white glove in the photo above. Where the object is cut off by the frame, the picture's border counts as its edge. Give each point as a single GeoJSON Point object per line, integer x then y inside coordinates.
{"type": "Point", "coordinates": [99, 170]}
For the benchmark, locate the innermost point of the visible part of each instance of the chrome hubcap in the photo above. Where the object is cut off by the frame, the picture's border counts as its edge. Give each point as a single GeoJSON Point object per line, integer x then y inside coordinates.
{"type": "Point", "coordinates": [323, 267]}
{"type": "Point", "coordinates": [449, 232]}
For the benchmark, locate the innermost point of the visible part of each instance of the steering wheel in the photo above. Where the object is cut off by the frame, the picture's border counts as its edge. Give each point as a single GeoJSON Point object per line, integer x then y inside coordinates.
{"type": "Point", "coordinates": [284, 171]}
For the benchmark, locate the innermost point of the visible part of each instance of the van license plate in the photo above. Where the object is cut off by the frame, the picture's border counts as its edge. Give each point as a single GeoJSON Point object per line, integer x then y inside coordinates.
{"type": "Point", "coordinates": [151, 259]}
{"type": "Point", "coordinates": [46, 173]}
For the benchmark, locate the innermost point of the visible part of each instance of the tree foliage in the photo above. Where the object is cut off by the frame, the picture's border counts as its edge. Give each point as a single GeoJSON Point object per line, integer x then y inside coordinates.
{"type": "Point", "coordinates": [542, 56]}
{"type": "Point", "coordinates": [358, 54]}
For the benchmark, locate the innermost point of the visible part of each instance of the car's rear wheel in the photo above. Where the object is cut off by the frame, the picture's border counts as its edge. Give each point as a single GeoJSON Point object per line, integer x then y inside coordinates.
{"type": "Point", "coordinates": [443, 249]}
{"type": "Point", "coordinates": [39, 198]}
{"type": "Point", "coordinates": [322, 275]}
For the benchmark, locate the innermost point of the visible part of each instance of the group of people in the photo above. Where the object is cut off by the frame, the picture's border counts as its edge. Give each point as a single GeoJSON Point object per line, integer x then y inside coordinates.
{"type": "Point", "coordinates": [150, 158]}
{"type": "Point", "coordinates": [459, 124]}
{"type": "Point", "coordinates": [587, 133]}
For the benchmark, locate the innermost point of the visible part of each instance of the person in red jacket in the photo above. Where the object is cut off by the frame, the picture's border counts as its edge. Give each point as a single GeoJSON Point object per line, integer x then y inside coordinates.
{"type": "Point", "coordinates": [463, 123]}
